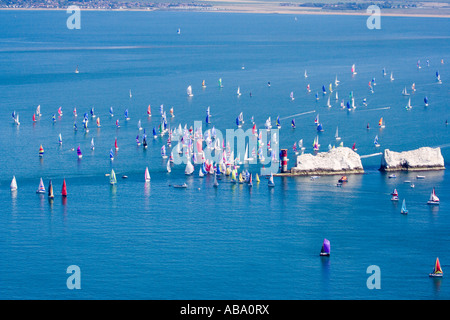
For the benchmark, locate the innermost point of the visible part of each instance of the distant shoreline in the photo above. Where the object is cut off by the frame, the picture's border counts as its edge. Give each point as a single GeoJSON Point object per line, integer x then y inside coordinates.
{"type": "Point", "coordinates": [252, 9]}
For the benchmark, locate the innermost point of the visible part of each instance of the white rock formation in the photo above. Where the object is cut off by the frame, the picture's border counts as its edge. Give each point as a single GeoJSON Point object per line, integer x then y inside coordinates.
{"type": "Point", "coordinates": [340, 160]}
{"type": "Point", "coordinates": [425, 158]}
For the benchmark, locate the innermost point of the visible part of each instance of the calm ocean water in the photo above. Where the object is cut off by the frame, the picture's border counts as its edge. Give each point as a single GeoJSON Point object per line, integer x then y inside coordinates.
{"type": "Point", "coordinates": [233, 242]}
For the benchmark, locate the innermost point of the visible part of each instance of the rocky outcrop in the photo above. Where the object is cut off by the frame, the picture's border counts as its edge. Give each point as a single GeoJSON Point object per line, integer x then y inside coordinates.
{"type": "Point", "coordinates": [339, 160]}
{"type": "Point", "coordinates": [425, 158]}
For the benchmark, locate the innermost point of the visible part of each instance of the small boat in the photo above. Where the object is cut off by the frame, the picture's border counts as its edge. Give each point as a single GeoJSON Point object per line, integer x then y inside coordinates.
{"type": "Point", "coordinates": [189, 167]}
{"type": "Point", "coordinates": [425, 100]}
{"type": "Point", "coordinates": [13, 185]}
{"type": "Point", "coordinates": [381, 123]}
{"type": "Point", "coordinates": [408, 106]}
{"type": "Point", "coordinates": [336, 135]}
{"type": "Point", "coordinates": [257, 178]}
{"type": "Point", "coordinates": [189, 91]}
{"type": "Point", "coordinates": [34, 117]}
{"type": "Point", "coordinates": [292, 96]}
{"type": "Point", "coordinates": [320, 127]}
{"type": "Point", "coordinates": [79, 153]}
{"type": "Point", "coordinates": [420, 177]}
{"type": "Point", "coordinates": [308, 88]}
{"type": "Point", "coordinates": [220, 83]}
{"type": "Point", "coordinates": [60, 113]}
{"type": "Point", "coordinates": [392, 176]}
{"type": "Point", "coordinates": [336, 82]}
{"type": "Point", "coordinates": [354, 69]}
{"type": "Point", "coordinates": [168, 168]}
{"type": "Point", "coordinates": [404, 210]}
{"type": "Point", "coordinates": [375, 142]}
{"type": "Point", "coordinates": [60, 139]}
{"type": "Point", "coordinates": [293, 123]}
{"type": "Point", "coordinates": [115, 145]}
{"type": "Point", "coordinates": [111, 111]}
{"type": "Point", "coordinates": [41, 188]}
{"type": "Point", "coordinates": [149, 111]}
{"type": "Point", "coordinates": [216, 184]}
{"type": "Point", "coordinates": [278, 122]}
{"type": "Point", "coordinates": [92, 144]}
{"type": "Point", "coordinates": [437, 271]}
{"type": "Point", "coordinates": [394, 195]}
{"type": "Point", "coordinates": [203, 84]}
{"type": "Point", "coordinates": [163, 152]}
{"type": "Point", "coordinates": [112, 177]}
{"type": "Point", "coordinates": [50, 190]}
{"type": "Point", "coordinates": [238, 92]}
{"type": "Point", "coordinates": [438, 77]}
{"type": "Point", "coordinates": [182, 186]}
{"type": "Point", "coordinates": [392, 76]}
{"type": "Point", "coordinates": [147, 175]}
{"type": "Point", "coordinates": [126, 115]}
{"type": "Point", "coordinates": [76, 70]}
{"type": "Point", "coordinates": [354, 147]}
{"type": "Point", "coordinates": [64, 189]}
{"type": "Point", "coordinates": [41, 151]}
{"type": "Point", "coordinates": [111, 155]}
{"type": "Point", "coordinates": [405, 92]}
{"type": "Point", "coordinates": [325, 251]}
{"type": "Point", "coordinates": [306, 74]}
{"type": "Point", "coordinates": [250, 181]}
{"type": "Point", "coordinates": [271, 183]}
{"type": "Point", "coordinates": [434, 200]}
{"type": "Point", "coordinates": [343, 179]}
{"type": "Point", "coordinates": [130, 94]}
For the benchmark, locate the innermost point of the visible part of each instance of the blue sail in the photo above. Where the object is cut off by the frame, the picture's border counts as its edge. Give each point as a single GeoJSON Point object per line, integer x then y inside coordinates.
{"type": "Point", "coordinates": [293, 123]}
{"type": "Point", "coordinates": [348, 105]}
{"type": "Point", "coordinates": [237, 120]}
{"type": "Point", "coordinates": [154, 131]}
{"type": "Point", "coordinates": [323, 89]}
{"type": "Point", "coordinates": [425, 100]}
{"type": "Point", "coordinates": [111, 110]}
{"type": "Point", "coordinates": [319, 127]}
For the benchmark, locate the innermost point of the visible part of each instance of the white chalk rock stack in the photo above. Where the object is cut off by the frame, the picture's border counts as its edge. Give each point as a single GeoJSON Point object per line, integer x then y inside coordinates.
{"type": "Point", "coordinates": [339, 160]}
{"type": "Point", "coordinates": [425, 158]}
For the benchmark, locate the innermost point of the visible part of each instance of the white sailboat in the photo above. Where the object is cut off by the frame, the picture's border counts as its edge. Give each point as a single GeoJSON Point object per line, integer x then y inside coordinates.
{"type": "Point", "coordinates": [189, 91]}
{"type": "Point", "coordinates": [292, 96]}
{"type": "Point", "coordinates": [189, 167]}
{"type": "Point", "coordinates": [336, 82]}
{"type": "Point", "coordinates": [147, 175]}
{"type": "Point", "coordinates": [337, 134]}
{"type": "Point", "coordinates": [408, 106]}
{"type": "Point", "coordinates": [392, 76]}
{"type": "Point", "coordinates": [405, 92]}
{"type": "Point", "coordinates": [13, 185]}
{"type": "Point", "coordinates": [238, 92]}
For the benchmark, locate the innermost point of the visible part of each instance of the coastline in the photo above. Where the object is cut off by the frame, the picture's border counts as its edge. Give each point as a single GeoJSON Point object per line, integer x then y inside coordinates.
{"type": "Point", "coordinates": [266, 9]}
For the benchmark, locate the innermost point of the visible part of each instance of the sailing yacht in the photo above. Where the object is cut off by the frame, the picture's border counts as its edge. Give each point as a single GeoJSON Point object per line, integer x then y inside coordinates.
{"type": "Point", "coordinates": [238, 92]}
{"type": "Point", "coordinates": [147, 175]}
{"type": "Point", "coordinates": [292, 96]}
{"type": "Point", "coordinates": [325, 251]}
{"type": "Point", "coordinates": [408, 106]}
{"type": "Point", "coordinates": [404, 210]}
{"type": "Point", "coordinates": [41, 188]}
{"type": "Point", "coordinates": [375, 142]}
{"type": "Point", "coordinates": [405, 92]}
{"type": "Point", "coordinates": [271, 183]}
{"type": "Point", "coordinates": [437, 270]}
{"type": "Point", "coordinates": [336, 82]}
{"type": "Point", "coordinates": [337, 134]}
{"type": "Point", "coordinates": [189, 91]}
{"type": "Point", "coordinates": [354, 69]}
{"type": "Point", "coordinates": [434, 200]}
{"type": "Point", "coordinates": [392, 76]}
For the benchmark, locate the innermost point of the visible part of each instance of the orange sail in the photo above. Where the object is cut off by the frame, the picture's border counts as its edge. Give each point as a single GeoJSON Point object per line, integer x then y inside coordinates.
{"type": "Point", "coordinates": [380, 123]}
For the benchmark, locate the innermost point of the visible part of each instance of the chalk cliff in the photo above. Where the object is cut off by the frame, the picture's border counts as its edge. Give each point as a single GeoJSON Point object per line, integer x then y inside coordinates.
{"type": "Point", "coordinates": [425, 158]}
{"type": "Point", "coordinates": [340, 160]}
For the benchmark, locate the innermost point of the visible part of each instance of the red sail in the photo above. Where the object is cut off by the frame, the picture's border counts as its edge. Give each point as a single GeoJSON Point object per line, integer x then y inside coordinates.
{"type": "Point", "coordinates": [64, 189]}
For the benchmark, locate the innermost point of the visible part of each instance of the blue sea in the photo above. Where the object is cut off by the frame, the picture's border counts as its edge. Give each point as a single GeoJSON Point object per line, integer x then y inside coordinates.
{"type": "Point", "coordinates": [153, 241]}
